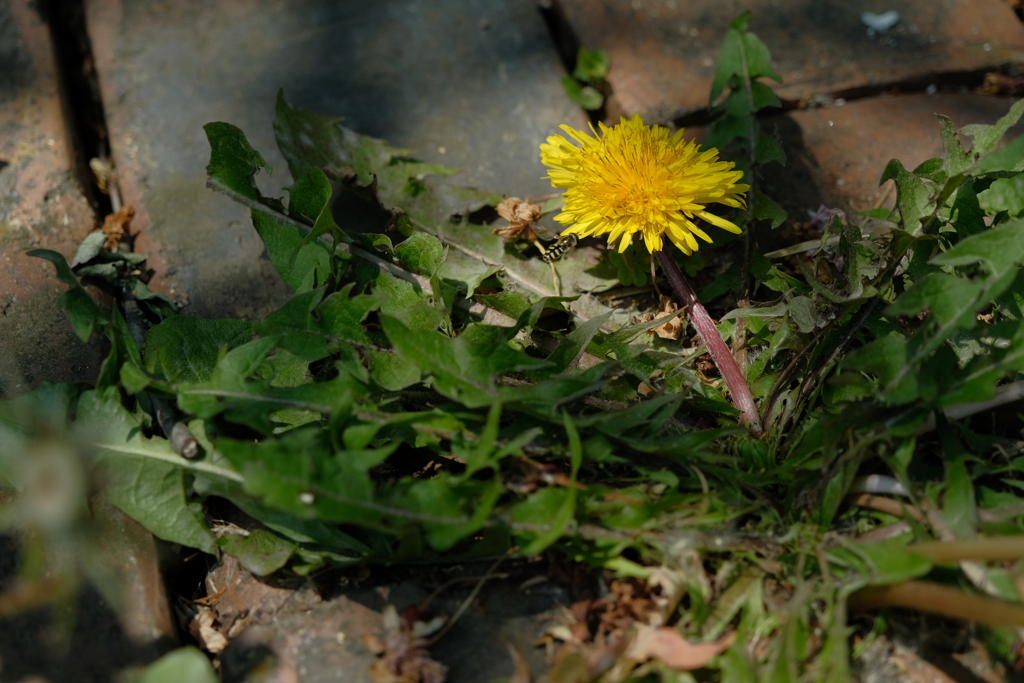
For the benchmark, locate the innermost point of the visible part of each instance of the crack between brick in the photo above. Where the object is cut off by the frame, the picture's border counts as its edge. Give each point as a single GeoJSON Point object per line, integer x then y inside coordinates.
{"type": "Point", "coordinates": [80, 95]}
{"type": "Point", "coordinates": [947, 82]}
{"type": "Point", "coordinates": [567, 45]}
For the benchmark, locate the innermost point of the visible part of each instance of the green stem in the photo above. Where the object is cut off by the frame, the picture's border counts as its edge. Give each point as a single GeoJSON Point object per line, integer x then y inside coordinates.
{"type": "Point", "coordinates": [734, 378]}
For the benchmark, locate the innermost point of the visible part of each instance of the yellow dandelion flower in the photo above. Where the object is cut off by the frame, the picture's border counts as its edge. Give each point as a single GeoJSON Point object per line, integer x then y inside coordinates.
{"type": "Point", "coordinates": [634, 179]}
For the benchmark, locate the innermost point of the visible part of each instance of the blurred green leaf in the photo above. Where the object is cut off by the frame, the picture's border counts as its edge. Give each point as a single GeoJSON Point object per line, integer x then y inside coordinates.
{"type": "Point", "coordinates": [186, 349]}
{"type": "Point", "coordinates": [84, 313]}
{"type": "Point", "coordinates": [259, 551]}
{"type": "Point", "coordinates": [583, 95]}
{"type": "Point", "coordinates": [591, 65]}
{"type": "Point", "coordinates": [765, 209]}
{"type": "Point", "coordinates": [183, 664]}
{"type": "Point", "coordinates": [144, 477]}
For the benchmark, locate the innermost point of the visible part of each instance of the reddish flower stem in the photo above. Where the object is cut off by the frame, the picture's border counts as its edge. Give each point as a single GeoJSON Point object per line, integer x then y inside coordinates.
{"type": "Point", "coordinates": [734, 378]}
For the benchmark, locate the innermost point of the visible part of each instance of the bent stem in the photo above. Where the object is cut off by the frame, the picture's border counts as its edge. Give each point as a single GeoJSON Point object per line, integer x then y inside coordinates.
{"type": "Point", "coordinates": [735, 380]}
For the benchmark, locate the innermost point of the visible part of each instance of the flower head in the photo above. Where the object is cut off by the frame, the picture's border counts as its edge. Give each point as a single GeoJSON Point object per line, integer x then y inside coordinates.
{"type": "Point", "coordinates": [634, 179]}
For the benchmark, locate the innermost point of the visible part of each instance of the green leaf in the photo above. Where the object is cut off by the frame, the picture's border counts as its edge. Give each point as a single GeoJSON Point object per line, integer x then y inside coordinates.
{"type": "Point", "coordinates": [951, 300]}
{"type": "Point", "coordinates": [767, 149]}
{"type": "Point", "coordinates": [302, 473]}
{"type": "Point", "coordinates": [303, 265]}
{"type": "Point", "coordinates": [987, 137]}
{"type": "Point", "coordinates": [401, 298]}
{"type": "Point", "coordinates": [233, 161]}
{"type": "Point", "coordinates": [186, 349]}
{"type": "Point", "coordinates": [464, 369]}
{"type": "Point", "coordinates": [932, 169]}
{"type": "Point", "coordinates": [310, 200]}
{"type": "Point", "coordinates": [1009, 159]}
{"type": "Point", "coordinates": [912, 196]}
{"type": "Point", "coordinates": [958, 161]}
{"type": "Point", "coordinates": [421, 253]}
{"type": "Point", "coordinates": [764, 96]}
{"type": "Point", "coordinates": [159, 305]}
{"type": "Point", "coordinates": [84, 313]}
{"type": "Point", "coordinates": [583, 95]}
{"type": "Point", "coordinates": [299, 329]}
{"type": "Point", "coordinates": [313, 329]}
{"type": "Point", "coordinates": [765, 209]}
{"type": "Point", "coordinates": [90, 248]}
{"type": "Point", "coordinates": [591, 65]}
{"type": "Point", "coordinates": [183, 664]}
{"type": "Point", "coordinates": [1005, 194]}
{"type": "Point", "coordinates": [261, 552]}
{"type": "Point", "coordinates": [759, 59]}
{"type": "Point", "coordinates": [887, 357]}
{"type": "Point", "coordinates": [877, 214]}
{"type": "Point", "coordinates": [543, 518]}
{"type": "Point", "coordinates": [965, 214]}
{"type": "Point", "coordinates": [133, 379]}
{"type": "Point", "coordinates": [232, 170]}
{"type": "Point", "coordinates": [288, 525]}
{"type": "Point", "coordinates": [441, 497]}
{"type": "Point", "coordinates": [960, 509]}
{"type": "Point", "coordinates": [730, 60]}
{"type": "Point", "coordinates": [144, 477]}
{"type": "Point", "coordinates": [743, 55]}
{"type": "Point", "coordinates": [575, 445]}
{"type": "Point", "coordinates": [890, 562]}
{"type": "Point", "coordinates": [775, 311]}
{"type": "Point", "coordinates": [999, 249]}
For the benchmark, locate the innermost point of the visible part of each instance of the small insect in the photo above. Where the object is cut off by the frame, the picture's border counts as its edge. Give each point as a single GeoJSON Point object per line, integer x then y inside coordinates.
{"type": "Point", "coordinates": [562, 246]}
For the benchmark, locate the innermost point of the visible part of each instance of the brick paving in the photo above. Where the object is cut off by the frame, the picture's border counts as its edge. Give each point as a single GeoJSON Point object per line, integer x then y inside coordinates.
{"type": "Point", "coordinates": [41, 205]}
{"type": "Point", "coordinates": [836, 154]}
{"type": "Point", "coordinates": [469, 83]}
{"type": "Point", "coordinates": [663, 52]}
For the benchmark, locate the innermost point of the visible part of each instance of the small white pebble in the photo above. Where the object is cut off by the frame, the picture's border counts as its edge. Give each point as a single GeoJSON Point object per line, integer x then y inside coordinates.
{"type": "Point", "coordinates": [881, 22]}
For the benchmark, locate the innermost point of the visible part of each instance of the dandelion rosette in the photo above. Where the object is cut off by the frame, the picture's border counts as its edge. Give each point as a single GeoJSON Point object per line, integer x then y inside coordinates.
{"type": "Point", "coordinates": [633, 179]}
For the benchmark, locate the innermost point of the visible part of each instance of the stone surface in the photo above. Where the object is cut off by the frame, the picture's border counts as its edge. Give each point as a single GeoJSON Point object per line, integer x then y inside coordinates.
{"type": "Point", "coordinates": [470, 84]}
{"type": "Point", "coordinates": [663, 51]}
{"type": "Point", "coordinates": [85, 638]}
{"type": "Point", "coordinates": [41, 206]}
{"type": "Point", "coordinates": [294, 634]}
{"type": "Point", "coordinates": [132, 552]}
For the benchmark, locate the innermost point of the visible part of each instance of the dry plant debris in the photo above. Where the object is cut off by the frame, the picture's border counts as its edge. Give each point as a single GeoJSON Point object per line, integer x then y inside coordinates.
{"type": "Point", "coordinates": [402, 654]}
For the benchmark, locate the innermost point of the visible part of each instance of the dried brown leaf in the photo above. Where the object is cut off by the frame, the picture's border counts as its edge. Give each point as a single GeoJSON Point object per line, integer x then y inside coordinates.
{"type": "Point", "coordinates": [115, 226]}
{"type": "Point", "coordinates": [521, 674]}
{"type": "Point", "coordinates": [674, 328]}
{"type": "Point", "coordinates": [402, 655]}
{"type": "Point", "coordinates": [202, 629]}
{"type": "Point", "coordinates": [667, 645]}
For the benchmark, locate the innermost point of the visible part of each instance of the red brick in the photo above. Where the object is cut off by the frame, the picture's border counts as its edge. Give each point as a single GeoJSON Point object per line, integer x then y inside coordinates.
{"type": "Point", "coordinates": [663, 51]}
{"type": "Point", "coordinates": [41, 205]}
{"type": "Point", "coordinates": [836, 155]}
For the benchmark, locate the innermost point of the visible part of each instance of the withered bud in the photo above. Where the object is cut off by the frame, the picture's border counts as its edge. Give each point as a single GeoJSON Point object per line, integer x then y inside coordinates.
{"type": "Point", "coordinates": [520, 215]}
